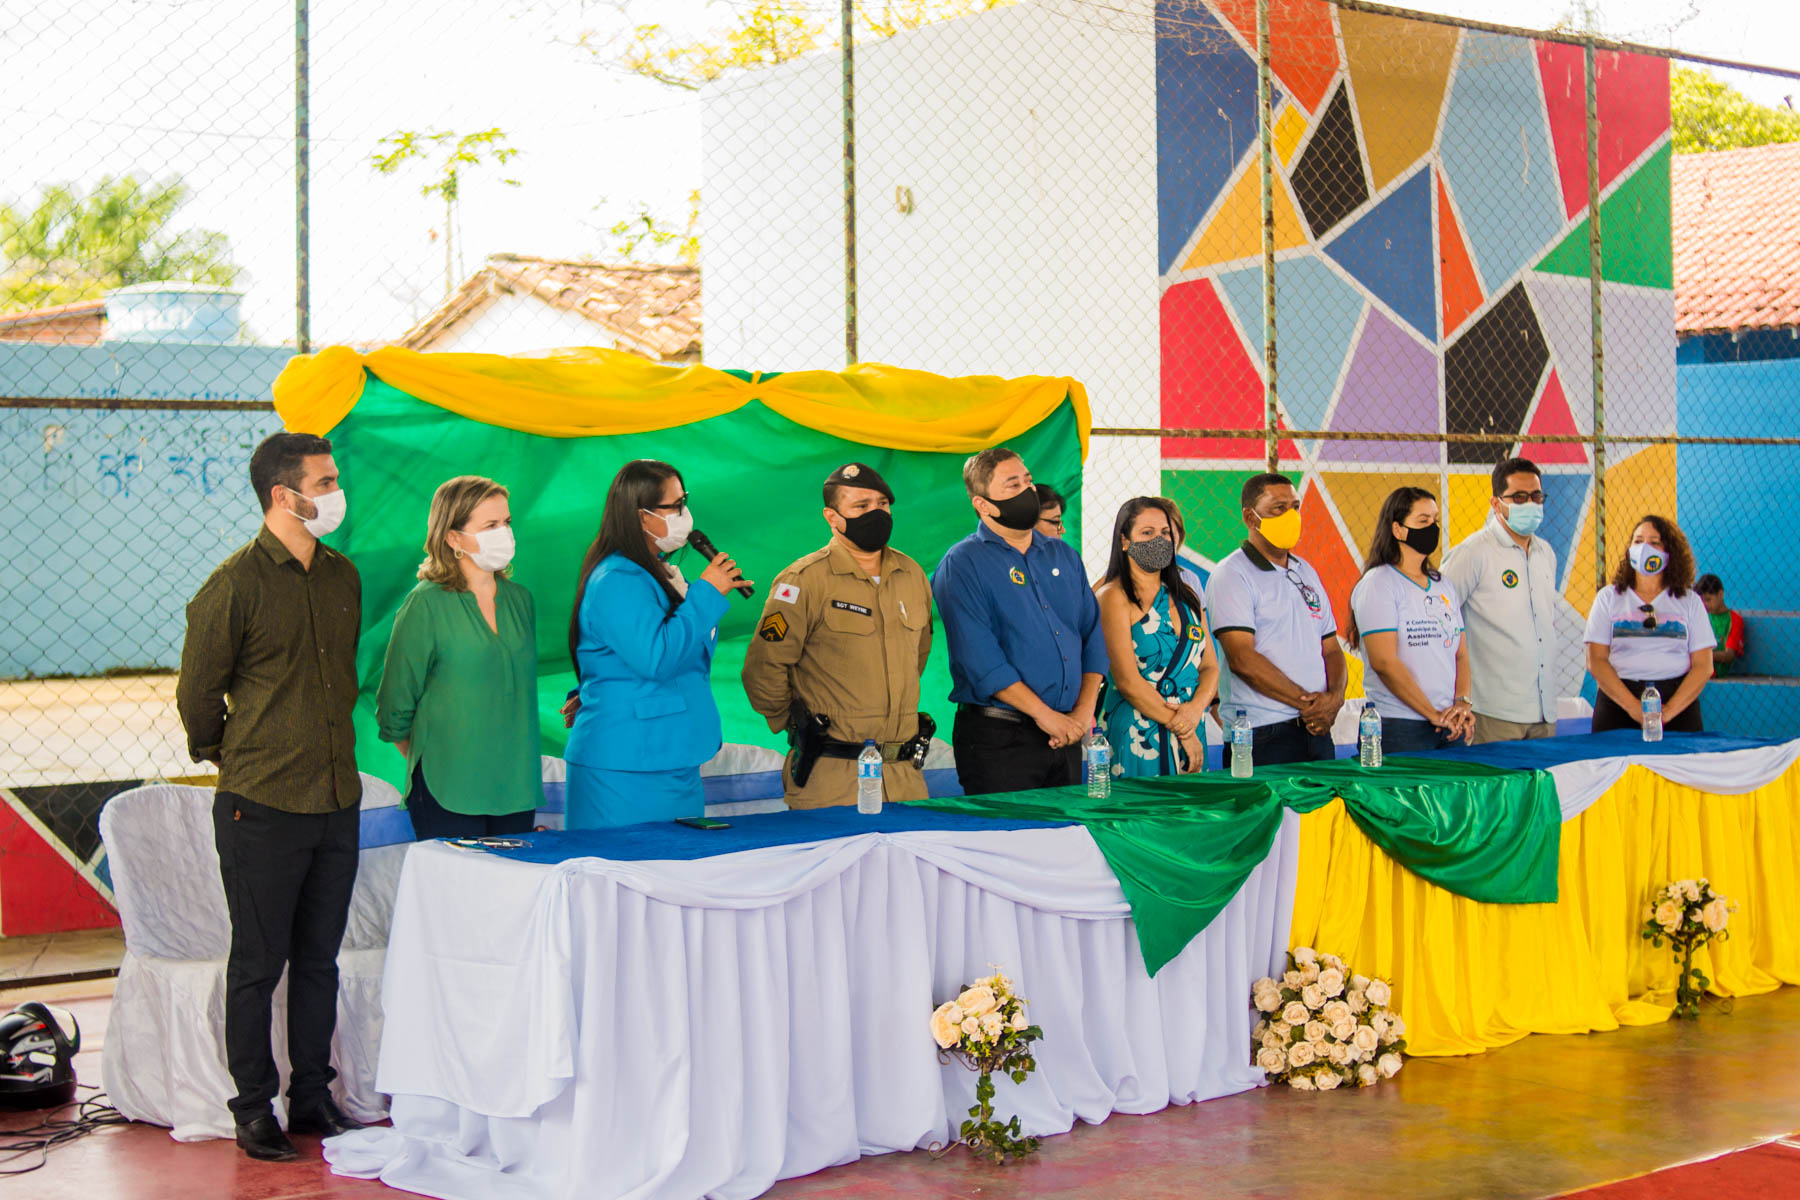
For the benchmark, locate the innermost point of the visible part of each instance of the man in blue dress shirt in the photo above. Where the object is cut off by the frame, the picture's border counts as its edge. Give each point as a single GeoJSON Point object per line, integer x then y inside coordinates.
{"type": "Point", "coordinates": [1026, 653]}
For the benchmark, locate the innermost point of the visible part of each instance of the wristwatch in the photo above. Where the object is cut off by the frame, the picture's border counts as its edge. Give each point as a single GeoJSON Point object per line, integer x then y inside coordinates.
{"type": "Point", "coordinates": [1463, 700]}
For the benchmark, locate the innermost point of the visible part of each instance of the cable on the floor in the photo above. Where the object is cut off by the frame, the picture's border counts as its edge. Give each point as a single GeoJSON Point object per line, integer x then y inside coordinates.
{"type": "Point", "coordinates": [91, 1115]}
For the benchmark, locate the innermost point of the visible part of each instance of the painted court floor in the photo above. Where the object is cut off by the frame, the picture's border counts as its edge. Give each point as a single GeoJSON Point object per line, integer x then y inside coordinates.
{"type": "Point", "coordinates": [1544, 1117]}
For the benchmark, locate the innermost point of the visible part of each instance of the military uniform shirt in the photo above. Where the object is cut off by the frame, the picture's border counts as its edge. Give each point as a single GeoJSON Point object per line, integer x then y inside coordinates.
{"type": "Point", "coordinates": [851, 650]}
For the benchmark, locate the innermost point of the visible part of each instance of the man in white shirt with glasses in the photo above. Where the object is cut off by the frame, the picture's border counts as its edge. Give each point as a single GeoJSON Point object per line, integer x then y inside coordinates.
{"type": "Point", "coordinates": [1281, 662]}
{"type": "Point", "coordinates": [1506, 577]}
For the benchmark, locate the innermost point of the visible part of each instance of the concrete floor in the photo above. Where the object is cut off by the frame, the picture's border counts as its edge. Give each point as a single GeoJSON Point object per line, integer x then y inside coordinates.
{"type": "Point", "coordinates": [1539, 1118]}
{"type": "Point", "coordinates": [1546, 1116]}
{"type": "Point", "coordinates": [47, 955]}
{"type": "Point", "coordinates": [62, 731]}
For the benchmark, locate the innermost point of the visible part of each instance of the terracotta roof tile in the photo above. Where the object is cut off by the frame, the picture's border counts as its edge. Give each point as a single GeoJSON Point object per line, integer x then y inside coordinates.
{"type": "Point", "coordinates": [651, 309]}
{"type": "Point", "coordinates": [1736, 221]}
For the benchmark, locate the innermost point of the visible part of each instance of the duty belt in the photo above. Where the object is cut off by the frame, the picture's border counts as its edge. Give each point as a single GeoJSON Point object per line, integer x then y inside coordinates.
{"type": "Point", "coordinates": [806, 737]}
{"type": "Point", "coordinates": [890, 751]}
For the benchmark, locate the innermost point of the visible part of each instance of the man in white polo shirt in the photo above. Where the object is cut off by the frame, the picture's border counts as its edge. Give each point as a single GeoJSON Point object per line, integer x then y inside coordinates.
{"type": "Point", "coordinates": [1281, 662]}
{"type": "Point", "coordinates": [1507, 580]}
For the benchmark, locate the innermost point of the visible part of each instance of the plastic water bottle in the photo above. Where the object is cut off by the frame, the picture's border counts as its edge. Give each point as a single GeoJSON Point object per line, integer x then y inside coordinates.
{"type": "Point", "coordinates": [1368, 740]}
{"type": "Point", "coordinates": [1096, 764]}
{"type": "Point", "coordinates": [1242, 739]}
{"type": "Point", "coordinates": [868, 779]}
{"type": "Point", "coordinates": [1652, 703]}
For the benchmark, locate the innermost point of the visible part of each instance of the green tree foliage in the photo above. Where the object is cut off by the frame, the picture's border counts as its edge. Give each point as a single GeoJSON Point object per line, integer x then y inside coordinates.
{"type": "Point", "coordinates": [766, 32]}
{"type": "Point", "coordinates": [646, 237]}
{"type": "Point", "coordinates": [1712, 115]}
{"type": "Point", "coordinates": [70, 245]}
{"type": "Point", "coordinates": [446, 155]}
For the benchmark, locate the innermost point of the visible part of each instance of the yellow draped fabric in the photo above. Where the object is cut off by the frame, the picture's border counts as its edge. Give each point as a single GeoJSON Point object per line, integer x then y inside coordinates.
{"type": "Point", "coordinates": [1470, 976]}
{"type": "Point", "coordinates": [593, 392]}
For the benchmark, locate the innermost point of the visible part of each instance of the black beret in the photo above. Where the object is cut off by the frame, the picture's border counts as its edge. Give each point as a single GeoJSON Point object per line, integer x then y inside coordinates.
{"type": "Point", "coordinates": [860, 475]}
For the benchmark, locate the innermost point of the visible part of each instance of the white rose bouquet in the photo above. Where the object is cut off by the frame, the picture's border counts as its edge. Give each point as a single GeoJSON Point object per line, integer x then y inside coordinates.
{"type": "Point", "coordinates": [1323, 1026]}
{"type": "Point", "coordinates": [1687, 914]}
{"type": "Point", "coordinates": [987, 1029]}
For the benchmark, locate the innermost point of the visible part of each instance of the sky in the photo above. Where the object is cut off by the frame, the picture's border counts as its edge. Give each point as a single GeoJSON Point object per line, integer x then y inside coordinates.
{"type": "Point", "coordinates": [205, 89]}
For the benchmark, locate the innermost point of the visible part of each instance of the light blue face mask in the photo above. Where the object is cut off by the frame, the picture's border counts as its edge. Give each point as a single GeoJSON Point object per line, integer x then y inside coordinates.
{"type": "Point", "coordinates": [1524, 519]}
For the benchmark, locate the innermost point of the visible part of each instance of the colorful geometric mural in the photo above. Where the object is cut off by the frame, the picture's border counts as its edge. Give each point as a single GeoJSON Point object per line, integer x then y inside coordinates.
{"type": "Point", "coordinates": [1431, 230]}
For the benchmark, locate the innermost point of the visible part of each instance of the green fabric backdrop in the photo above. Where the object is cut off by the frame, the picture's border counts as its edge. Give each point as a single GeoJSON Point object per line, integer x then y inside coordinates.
{"type": "Point", "coordinates": [754, 478]}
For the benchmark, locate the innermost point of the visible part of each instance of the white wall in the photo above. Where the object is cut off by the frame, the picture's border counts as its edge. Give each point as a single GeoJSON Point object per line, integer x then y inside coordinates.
{"type": "Point", "coordinates": [772, 218]}
{"type": "Point", "coordinates": [511, 323]}
{"type": "Point", "coordinates": [1027, 137]}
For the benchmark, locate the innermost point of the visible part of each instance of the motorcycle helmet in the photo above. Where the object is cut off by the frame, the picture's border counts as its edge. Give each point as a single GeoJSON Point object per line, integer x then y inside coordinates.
{"type": "Point", "coordinates": [37, 1057]}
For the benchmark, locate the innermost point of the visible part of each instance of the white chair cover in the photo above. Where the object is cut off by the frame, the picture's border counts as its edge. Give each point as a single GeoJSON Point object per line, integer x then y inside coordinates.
{"type": "Point", "coordinates": [164, 1057]}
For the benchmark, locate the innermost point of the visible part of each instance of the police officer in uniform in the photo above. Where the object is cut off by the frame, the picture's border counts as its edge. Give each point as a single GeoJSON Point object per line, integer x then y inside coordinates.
{"type": "Point", "coordinates": [837, 655]}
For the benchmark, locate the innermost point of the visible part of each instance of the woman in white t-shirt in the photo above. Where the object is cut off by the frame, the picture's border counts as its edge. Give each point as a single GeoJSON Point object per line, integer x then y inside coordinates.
{"type": "Point", "coordinates": [1650, 626]}
{"type": "Point", "coordinates": [1408, 622]}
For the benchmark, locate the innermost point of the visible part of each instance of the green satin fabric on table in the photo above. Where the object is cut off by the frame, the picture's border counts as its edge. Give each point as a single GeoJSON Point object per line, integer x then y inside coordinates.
{"type": "Point", "coordinates": [1182, 846]}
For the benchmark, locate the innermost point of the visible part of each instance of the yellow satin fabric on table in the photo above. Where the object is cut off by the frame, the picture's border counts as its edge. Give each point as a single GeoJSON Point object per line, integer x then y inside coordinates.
{"type": "Point", "coordinates": [592, 391]}
{"type": "Point", "coordinates": [1470, 976]}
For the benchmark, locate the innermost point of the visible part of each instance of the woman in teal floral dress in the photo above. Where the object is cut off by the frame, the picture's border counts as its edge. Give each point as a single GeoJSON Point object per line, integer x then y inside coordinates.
{"type": "Point", "coordinates": [1164, 673]}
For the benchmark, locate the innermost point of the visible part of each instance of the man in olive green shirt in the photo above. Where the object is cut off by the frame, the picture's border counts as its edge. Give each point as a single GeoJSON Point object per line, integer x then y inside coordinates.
{"type": "Point", "coordinates": [268, 681]}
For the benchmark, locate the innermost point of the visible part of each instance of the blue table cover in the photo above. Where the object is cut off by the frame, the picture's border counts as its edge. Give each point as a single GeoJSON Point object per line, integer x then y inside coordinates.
{"type": "Point", "coordinates": [666, 839]}
{"type": "Point", "coordinates": [1540, 754]}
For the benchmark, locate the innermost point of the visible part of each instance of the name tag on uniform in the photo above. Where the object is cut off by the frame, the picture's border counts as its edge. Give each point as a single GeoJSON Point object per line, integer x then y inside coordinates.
{"type": "Point", "coordinates": [849, 607]}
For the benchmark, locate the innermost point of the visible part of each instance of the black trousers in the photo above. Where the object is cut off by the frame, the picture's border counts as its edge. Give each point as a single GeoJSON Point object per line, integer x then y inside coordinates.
{"type": "Point", "coordinates": [1287, 742]}
{"type": "Point", "coordinates": [288, 878]}
{"type": "Point", "coordinates": [432, 820]}
{"type": "Point", "coordinates": [1608, 714]}
{"type": "Point", "coordinates": [997, 755]}
{"type": "Point", "coordinates": [1403, 735]}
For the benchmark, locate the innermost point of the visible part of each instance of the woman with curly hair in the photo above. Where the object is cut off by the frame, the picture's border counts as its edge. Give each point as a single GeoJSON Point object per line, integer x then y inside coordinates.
{"type": "Point", "coordinates": [1650, 627]}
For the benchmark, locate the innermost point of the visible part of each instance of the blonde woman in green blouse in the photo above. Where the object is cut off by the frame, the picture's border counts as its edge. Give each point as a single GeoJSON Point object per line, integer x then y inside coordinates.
{"type": "Point", "coordinates": [459, 688]}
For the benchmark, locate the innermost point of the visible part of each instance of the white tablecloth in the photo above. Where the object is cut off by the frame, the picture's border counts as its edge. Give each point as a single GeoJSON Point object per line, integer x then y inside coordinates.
{"type": "Point", "coordinates": [1722, 773]}
{"type": "Point", "coordinates": [706, 1027]}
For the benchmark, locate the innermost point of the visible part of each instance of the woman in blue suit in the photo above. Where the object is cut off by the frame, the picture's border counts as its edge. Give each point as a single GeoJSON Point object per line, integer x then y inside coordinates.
{"type": "Point", "coordinates": [642, 639]}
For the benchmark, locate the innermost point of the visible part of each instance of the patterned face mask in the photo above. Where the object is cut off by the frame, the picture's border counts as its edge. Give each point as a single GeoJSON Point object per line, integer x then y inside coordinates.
{"type": "Point", "coordinates": [1152, 555]}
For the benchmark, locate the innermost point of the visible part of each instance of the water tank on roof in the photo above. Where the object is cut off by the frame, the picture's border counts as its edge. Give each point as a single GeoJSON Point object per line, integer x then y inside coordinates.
{"type": "Point", "coordinates": [173, 312]}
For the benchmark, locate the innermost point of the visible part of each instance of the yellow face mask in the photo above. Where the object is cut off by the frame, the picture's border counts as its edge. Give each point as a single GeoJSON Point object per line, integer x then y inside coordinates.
{"type": "Point", "coordinates": [1282, 532]}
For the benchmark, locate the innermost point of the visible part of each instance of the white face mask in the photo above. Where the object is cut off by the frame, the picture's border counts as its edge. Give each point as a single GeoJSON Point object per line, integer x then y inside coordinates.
{"type": "Point", "coordinates": [493, 548]}
{"type": "Point", "coordinates": [328, 512]}
{"type": "Point", "coordinates": [679, 525]}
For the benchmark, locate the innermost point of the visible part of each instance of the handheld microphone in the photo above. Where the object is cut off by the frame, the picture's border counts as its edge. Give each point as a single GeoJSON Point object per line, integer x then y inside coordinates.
{"type": "Point", "coordinates": [704, 545]}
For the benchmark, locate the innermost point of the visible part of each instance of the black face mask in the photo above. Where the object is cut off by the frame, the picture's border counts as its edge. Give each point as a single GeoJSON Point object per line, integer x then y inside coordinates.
{"type": "Point", "coordinates": [869, 531]}
{"type": "Point", "coordinates": [1018, 512]}
{"type": "Point", "coordinates": [1425, 540]}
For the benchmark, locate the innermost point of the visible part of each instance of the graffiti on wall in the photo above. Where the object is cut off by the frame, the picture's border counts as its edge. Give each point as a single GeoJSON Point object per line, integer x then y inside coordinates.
{"type": "Point", "coordinates": [1430, 203]}
{"type": "Point", "coordinates": [102, 501]}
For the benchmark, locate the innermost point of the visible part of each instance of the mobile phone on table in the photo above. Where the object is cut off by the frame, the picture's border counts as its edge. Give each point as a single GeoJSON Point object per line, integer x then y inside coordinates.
{"type": "Point", "coordinates": [702, 823]}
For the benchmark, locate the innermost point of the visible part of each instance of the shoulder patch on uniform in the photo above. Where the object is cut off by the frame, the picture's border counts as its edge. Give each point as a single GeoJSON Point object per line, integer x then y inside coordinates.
{"type": "Point", "coordinates": [787, 593]}
{"type": "Point", "coordinates": [849, 607]}
{"type": "Point", "coordinates": [774, 628]}
{"type": "Point", "coordinates": [1017, 576]}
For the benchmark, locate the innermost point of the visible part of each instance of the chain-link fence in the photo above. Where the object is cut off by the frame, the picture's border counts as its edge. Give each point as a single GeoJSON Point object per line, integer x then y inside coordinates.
{"type": "Point", "coordinates": [1347, 241]}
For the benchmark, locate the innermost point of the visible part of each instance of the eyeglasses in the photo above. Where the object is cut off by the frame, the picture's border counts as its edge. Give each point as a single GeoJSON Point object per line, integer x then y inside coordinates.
{"type": "Point", "coordinates": [1307, 592]}
{"type": "Point", "coordinates": [1649, 621]}
{"type": "Point", "coordinates": [1523, 497]}
{"type": "Point", "coordinates": [671, 508]}
{"type": "Point", "coordinates": [1052, 522]}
